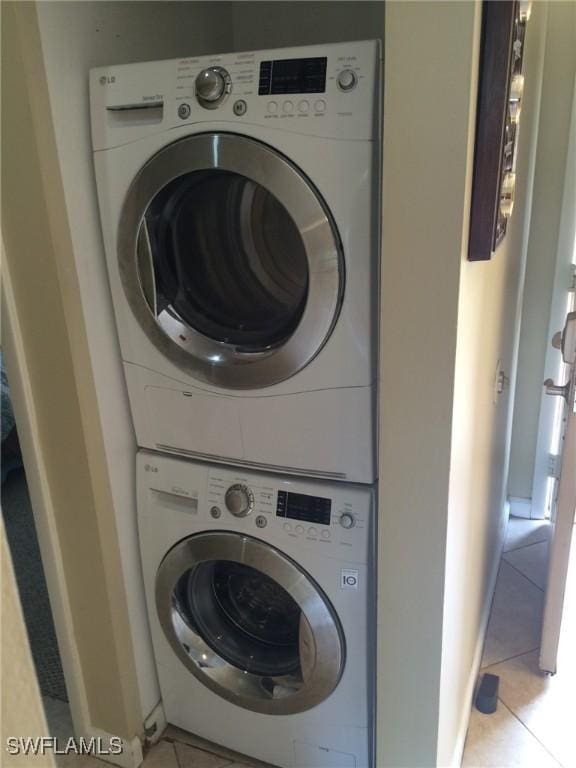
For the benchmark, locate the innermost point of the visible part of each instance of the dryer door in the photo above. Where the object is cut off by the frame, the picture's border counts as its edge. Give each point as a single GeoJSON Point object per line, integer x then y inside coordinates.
{"type": "Point", "coordinates": [230, 260]}
{"type": "Point", "coordinates": [249, 623]}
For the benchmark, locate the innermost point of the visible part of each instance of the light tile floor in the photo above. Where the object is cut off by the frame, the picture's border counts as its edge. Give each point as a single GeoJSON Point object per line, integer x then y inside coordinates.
{"type": "Point", "coordinates": [535, 723]}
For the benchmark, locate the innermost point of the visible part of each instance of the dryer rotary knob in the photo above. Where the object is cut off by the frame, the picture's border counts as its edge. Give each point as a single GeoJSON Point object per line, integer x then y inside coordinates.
{"type": "Point", "coordinates": [347, 520]}
{"type": "Point", "coordinates": [239, 500]}
{"type": "Point", "coordinates": [211, 86]}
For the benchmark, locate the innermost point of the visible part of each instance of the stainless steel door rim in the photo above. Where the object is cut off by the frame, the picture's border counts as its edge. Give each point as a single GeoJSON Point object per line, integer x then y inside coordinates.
{"type": "Point", "coordinates": [209, 360]}
{"type": "Point", "coordinates": [321, 639]}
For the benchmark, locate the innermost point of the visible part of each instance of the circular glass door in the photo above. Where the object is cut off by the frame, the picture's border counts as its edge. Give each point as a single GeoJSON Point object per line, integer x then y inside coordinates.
{"type": "Point", "coordinates": [230, 261]}
{"type": "Point", "coordinates": [249, 623]}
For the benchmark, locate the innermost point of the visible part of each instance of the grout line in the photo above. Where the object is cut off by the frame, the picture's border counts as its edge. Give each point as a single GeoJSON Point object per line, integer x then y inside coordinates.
{"type": "Point", "coordinates": [523, 724]}
{"type": "Point", "coordinates": [524, 575]}
{"type": "Point", "coordinates": [177, 759]}
{"type": "Point", "coordinates": [525, 546]}
{"type": "Point", "coordinates": [220, 756]}
{"type": "Point", "coordinates": [516, 656]}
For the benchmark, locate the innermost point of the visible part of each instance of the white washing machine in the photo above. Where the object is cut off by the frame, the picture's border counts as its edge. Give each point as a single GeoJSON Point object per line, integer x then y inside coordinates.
{"type": "Point", "coordinates": [239, 206]}
{"type": "Point", "coordinates": [260, 597]}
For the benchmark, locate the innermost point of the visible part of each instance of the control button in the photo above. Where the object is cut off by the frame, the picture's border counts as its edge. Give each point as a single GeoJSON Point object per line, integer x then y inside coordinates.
{"type": "Point", "coordinates": [288, 107]}
{"type": "Point", "coordinates": [272, 107]}
{"type": "Point", "coordinates": [325, 534]}
{"type": "Point", "coordinates": [312, 531]}
{"type": "Point", "coordinates": [287, 527]}
{"type": "Point", "coordinates": [261, 521]}
{"type": "Point", "coordinates": [184, 111]}
{"type": "Point", "coordinates": [215, 512]}
{"type": "Point", "coordinates": [347, 520]}
{"type": "Point", "coordinates": [240, 107]}
{"type": "Point", "coordinates": [320, 105]}
{"type": "Point", "coordinates": [299, 529]}
{"type": "Point", "coordinates": [347, 80]}
{"type": "Point", "coordinates": [239, 500]}
{"type": "Point", "coordinates": [303, 106]}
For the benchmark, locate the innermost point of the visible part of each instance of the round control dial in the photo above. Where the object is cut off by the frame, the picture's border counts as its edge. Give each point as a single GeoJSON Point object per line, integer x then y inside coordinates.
{"type": "Point", "coordinates": [212, 86]}
{"type": "Point", "coordinates": [239, 500]}
{"type": "Point", "coordinates": [347, 520]}
{"type": "Point", "coordinates": [347, 80]}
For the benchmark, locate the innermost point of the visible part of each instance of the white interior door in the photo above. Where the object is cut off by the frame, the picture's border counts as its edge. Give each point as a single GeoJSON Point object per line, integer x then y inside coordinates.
{"type": "Point", "coordinates": [564, 508]}
{"type": "Point", "coordinates": [549, 421]}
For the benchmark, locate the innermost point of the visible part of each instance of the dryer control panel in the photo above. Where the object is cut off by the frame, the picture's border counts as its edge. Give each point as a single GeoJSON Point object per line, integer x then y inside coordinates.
{"type": "Point", "coordinates": [330, 91]}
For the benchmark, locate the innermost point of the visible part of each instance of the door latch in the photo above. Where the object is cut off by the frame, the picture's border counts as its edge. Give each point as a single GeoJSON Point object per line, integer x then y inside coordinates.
{"type": "Point", "coordinates": [558, 390]}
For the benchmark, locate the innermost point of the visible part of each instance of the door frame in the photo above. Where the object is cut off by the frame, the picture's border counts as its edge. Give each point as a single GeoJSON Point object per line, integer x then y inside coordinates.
{"type": "Point", "coordinates": [22, 400]}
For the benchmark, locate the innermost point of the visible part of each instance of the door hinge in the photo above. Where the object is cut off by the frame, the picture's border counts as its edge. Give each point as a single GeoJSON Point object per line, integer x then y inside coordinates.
{"type": "Point", "coordinates": [554, 465]}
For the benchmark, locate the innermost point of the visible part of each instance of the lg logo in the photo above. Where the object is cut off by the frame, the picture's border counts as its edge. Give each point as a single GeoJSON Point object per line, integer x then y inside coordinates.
{"type": "Point", "coordinates": [348, 578]}
{"type": "Point", "coordinates": [107, 80]}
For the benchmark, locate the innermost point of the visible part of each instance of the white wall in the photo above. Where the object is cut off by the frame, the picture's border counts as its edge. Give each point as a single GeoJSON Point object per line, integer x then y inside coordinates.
{"type": "Point", "coordinates": [75, 37]}
{"type": "Point", "coordinates": [447, 326]}
{"type": "Point", "coordinates": [275, 24]}
{"type": "Point", "coordinates": [557, 93]}
{"type": "Point", "coordinates": [429, 66]}
{"type": "Point", "coordinates": [487, 340]}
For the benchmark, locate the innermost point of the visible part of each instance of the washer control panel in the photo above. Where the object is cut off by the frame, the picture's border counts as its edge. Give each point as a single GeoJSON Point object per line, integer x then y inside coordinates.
{"type": "Point", "coordinates": [331, 517]}
{"type": "Point", "coordinates": [320, 514]}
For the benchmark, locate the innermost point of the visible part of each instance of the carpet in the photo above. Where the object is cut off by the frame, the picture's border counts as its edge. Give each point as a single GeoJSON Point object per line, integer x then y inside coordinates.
{"type": "Point", "coordinates": [23, 543]}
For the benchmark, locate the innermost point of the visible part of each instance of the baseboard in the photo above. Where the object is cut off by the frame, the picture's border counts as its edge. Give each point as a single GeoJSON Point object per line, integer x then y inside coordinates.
{"type": "Point", "coordinates": [456, 760]}
{"type": "Point", "coordinates": [520, 507]}
{"type": "Point", "coordinates": [131, 755]}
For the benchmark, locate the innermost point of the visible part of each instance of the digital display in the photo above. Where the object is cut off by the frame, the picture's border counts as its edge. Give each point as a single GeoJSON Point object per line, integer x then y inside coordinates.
{"type": "Point", "coordinates": [298, 506]}
{"type": "Point", "coordinates": [292, 76]}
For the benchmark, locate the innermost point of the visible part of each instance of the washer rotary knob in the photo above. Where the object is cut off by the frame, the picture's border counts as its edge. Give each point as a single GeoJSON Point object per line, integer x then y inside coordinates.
{"type": "Point", "coordinates": [212, 86]}
{"type": "Point", "coordinates": [347, 79]}
{"type": "Point", "coordinates": [239, 500]}
{"type": "Point", "coordinates": [347, 520]}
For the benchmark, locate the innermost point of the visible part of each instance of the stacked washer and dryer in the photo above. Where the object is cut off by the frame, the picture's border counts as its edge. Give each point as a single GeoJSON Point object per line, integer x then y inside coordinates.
{"type": "Point", "coordinates": [239, 205]}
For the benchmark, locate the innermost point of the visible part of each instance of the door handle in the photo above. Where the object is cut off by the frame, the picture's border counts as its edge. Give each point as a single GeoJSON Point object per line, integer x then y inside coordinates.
{"type": "Point", "coordinates": [558, 390]}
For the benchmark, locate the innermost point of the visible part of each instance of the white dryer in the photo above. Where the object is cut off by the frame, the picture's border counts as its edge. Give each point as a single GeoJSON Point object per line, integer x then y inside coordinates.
{"type": "Point", "coordinates": [239, 207]}
{"type": "Point", "coordinates": [260, 597]}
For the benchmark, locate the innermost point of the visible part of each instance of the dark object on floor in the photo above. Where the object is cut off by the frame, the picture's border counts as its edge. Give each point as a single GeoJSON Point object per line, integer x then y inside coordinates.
{"type": "Point", "coordinates": [487, 696]}
{"type": "Point", "coordinates": [23, 543]}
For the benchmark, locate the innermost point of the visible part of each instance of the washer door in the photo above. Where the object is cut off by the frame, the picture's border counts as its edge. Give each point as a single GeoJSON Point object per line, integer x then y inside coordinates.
{"type": "Point", "coordinates": [249, 623]}
{"type": "Point", "coordinates": [230, 260]}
